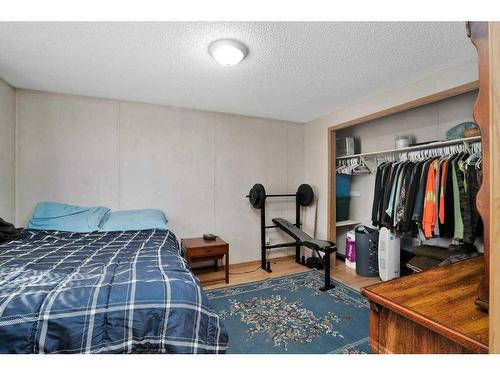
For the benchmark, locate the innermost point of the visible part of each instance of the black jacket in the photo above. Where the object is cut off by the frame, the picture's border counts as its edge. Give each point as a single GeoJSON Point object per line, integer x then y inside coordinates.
{"type": "Point", "coordinates": [8, 232]}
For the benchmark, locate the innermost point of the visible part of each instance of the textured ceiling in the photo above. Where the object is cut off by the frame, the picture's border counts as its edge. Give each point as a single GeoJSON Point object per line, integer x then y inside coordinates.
{"type": "Point", "coordinates": [294, 71]}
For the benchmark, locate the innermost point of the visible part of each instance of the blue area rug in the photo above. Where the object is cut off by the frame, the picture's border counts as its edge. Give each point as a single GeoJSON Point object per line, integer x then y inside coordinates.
{"type": "Point", "coordinates": [290, 315]}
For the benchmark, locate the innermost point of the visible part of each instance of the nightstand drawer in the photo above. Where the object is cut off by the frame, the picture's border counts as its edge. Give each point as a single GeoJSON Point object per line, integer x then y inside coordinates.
{"type": "Point", "coordinates": [207, 252]}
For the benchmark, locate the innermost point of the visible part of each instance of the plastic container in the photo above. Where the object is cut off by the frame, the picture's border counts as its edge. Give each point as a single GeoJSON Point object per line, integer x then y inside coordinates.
{"type": "Point", "coordinates": [342, 185]}
{"type": "Point", "coordinates": [401, 141]}
{"type": "Point", "coordinates": [342, 208]}
{"type": "Point", "coordinates": [366, 251]}
{"type": "Point", "coordinates": [350, 249]}
{"type": "Point", "coordinates": [345, 146]}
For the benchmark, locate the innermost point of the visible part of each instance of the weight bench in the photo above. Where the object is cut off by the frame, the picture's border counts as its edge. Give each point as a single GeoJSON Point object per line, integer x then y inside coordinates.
{"type": "Point", "coordinates": [303, 239]}
{"type": "Point", "coordinates": [303, 198]}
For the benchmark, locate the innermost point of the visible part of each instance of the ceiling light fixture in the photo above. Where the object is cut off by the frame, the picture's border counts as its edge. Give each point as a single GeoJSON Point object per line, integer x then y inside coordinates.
{"type": "Point", "coordinates": [228, 52]}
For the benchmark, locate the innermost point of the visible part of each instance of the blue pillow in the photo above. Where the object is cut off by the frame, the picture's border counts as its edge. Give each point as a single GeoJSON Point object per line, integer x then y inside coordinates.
{"type": "Point", "coordinates": [66, 217]}
{"type": "Point", "coordinates": [134, 220]}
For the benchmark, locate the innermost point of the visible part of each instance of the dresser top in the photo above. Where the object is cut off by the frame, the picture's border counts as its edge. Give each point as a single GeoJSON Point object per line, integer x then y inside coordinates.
{"type": "Point", "coordinates": [441, 299]}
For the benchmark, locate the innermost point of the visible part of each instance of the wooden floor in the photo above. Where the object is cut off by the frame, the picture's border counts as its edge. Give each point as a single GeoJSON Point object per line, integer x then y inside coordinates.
{"type": "Point", "coordinates": [251, 271]}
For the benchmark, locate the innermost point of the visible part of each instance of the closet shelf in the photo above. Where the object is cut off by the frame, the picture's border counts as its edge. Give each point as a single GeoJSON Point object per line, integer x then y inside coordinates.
{"type": "Point", "coordinates": [414, 148]}
{"type": "Point", "coordinates": [346, 223]}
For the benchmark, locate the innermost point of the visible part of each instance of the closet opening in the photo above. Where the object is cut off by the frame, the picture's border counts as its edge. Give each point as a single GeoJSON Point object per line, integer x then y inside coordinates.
{"type": "Point", "coordinates": [413, 170]}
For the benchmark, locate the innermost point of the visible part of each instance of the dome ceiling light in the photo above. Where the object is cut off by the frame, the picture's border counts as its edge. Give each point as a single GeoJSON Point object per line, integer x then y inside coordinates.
{"type": "Point", "coordinates": [228, 52]}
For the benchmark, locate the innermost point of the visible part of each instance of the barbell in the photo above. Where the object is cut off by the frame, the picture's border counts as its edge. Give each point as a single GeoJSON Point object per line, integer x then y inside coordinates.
{"type": "Point", "coordinates": [257, 195]}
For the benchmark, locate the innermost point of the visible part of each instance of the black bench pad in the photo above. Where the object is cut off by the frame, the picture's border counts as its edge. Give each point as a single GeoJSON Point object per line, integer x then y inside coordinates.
{"type": "Point", "coordinates": [301, 236]}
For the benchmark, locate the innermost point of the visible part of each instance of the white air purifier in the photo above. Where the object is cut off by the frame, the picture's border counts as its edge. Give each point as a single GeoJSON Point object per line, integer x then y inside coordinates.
{"type": "Point", "coordinates": [389, 252]}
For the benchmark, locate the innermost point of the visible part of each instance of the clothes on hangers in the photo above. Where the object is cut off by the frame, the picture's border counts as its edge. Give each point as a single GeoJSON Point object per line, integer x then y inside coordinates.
{"type": "Point", "coordinates": [394, 195]}
{"type": "Point", "coordinates": [389, 195]}
{"type": "Point", "coordinates": [405, 188]}
{"type": "Point", "coordinates": [442, 191]}
{"type": "Point", "coordinates": [458, 233]}
{"type": "Point", "coordinates": [418, 208]}
{"type": "Point", "coordinates": [409, 202]}
{"type": "Point", "coordinates": [378, 192]}
{"type": "Point", "coordinates": [472, 183]}
{"type": "Point", "coordinates": [429, 194]}
{"type": "Point", "coordinates": [446, 209]}
{"type": "Point", "coordinates": [465, 208]}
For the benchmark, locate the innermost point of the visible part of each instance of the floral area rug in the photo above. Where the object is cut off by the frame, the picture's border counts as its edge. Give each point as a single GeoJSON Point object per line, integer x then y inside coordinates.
{"type": "Point", "coordinates": [290, 315]}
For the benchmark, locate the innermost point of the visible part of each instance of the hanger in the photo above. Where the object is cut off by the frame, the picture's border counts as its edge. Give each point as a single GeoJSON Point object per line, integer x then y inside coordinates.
{"type": "Point", "coordinates": [361, 167]}
{"type": "Point", "coordinates": [353, 166]}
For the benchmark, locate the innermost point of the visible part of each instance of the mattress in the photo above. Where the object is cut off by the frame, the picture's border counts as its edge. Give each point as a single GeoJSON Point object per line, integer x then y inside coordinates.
{"type": "Point", "coordinates": [103, 292]}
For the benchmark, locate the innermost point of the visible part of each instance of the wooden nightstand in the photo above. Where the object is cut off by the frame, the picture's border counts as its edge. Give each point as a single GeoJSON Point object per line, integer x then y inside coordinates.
{"type": "Point", "coordinates": [199, 250]}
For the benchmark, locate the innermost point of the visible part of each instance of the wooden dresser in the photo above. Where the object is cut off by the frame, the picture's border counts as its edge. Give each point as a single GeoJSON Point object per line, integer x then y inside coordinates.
{"type": "Point", "coordinates": [429, 312]}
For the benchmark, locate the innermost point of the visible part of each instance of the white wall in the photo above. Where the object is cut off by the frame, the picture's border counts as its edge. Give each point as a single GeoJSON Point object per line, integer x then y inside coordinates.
{"type": "Point", "coordinates": [315, 132]}
{"type": "Point", "coordinates": [197, 166]}
{"type": "Point", "coordinates": [7, 154]}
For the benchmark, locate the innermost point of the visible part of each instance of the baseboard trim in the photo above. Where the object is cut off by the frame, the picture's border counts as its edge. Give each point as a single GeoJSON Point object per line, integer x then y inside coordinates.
{"type": "Point", "coordinates": [253, 262]}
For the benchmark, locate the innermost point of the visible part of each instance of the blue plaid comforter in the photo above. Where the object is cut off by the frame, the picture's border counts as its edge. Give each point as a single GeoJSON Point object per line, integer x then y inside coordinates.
{"type": "Point", "coordinates": [103, 292]}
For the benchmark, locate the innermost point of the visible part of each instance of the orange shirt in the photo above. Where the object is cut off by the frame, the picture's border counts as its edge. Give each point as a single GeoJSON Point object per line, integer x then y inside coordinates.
{"type": "Point", "coordinates": [429, 213]}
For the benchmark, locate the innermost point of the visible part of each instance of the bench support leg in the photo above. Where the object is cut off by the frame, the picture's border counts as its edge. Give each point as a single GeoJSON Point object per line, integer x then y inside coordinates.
{"type": "Point", "coordinates": [297, 224]}
{"type": "Point", "coordinates": [297, 254]}
{"type": "Point", "coordinates": [328, 282]}
{"type": "Point", "coordinates": [264, 264]}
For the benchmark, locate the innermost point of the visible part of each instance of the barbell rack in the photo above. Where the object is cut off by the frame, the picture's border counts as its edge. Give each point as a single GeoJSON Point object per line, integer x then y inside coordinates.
{"type": "Point", "coordinates": [257, 196]}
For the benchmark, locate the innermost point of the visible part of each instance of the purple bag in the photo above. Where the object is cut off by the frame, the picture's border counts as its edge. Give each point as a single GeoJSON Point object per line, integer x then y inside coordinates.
{"type": "Point", "coordinates": [350, 250]}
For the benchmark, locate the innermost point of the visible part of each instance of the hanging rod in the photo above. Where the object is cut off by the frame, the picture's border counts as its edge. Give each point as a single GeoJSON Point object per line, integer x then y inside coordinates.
{"type": "Point", "coordinates": [413, 148]}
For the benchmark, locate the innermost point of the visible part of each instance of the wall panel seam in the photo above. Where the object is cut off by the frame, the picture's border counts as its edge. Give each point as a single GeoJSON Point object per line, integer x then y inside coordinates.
{"type": "Point", "coordinates": [16, 158]}
{"type": "Point", "coordinates": [118, 152]}
{"type": "Point", "coordinates": [213, 173]}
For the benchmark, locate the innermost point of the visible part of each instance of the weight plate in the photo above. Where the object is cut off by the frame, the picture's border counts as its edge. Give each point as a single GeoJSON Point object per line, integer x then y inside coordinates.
{"type": "Point", "coordinates": [257, 196]}
{"type": "Point", "coordinates": [305, 194]}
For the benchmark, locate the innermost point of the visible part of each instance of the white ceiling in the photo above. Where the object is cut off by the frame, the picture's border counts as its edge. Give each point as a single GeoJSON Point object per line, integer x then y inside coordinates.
{"type": "Point", "coordinates": [294, 71]}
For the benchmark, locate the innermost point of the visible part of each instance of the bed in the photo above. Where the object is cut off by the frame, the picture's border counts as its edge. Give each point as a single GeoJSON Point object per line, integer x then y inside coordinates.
{"type": "Point", "coordinates": [103, 292]}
